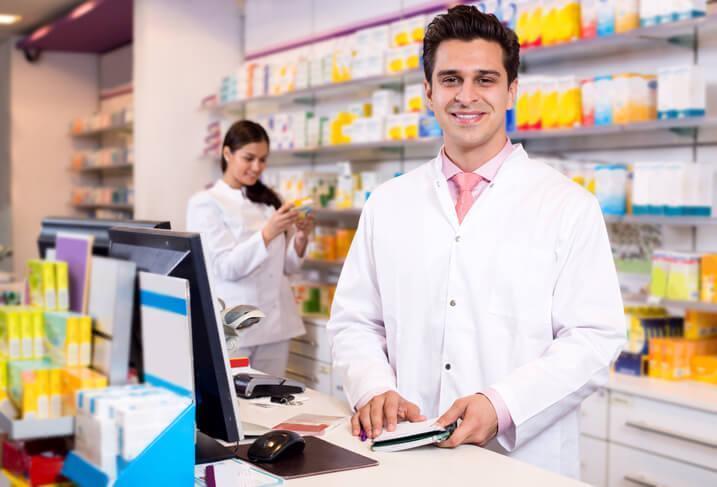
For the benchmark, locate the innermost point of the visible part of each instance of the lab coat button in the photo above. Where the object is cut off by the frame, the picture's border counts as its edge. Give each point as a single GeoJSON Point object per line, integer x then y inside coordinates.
{"type": "Point", "coordinates": [458, 238]}
{"type": "Point", "coordinates": [453, 302]}
{"type": "Point", "coordinates": [448, 366]}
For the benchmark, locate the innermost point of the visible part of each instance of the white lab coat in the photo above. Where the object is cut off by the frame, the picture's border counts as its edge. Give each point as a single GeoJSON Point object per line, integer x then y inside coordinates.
{"type": "Point", "coordinates": [245, 271]}
{"type": "Point", "coordinates": [522, 297]}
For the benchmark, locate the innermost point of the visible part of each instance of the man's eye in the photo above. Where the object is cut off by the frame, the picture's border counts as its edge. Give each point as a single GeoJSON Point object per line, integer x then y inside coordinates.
{"type": "Point", "coordinates": [450, 80]}
{"type": "Point", "coordinates": [485, 81]}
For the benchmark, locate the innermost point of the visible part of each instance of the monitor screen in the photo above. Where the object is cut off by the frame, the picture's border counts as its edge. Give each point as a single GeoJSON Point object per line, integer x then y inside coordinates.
{"type": "Point", "coordinates": [179, 254]}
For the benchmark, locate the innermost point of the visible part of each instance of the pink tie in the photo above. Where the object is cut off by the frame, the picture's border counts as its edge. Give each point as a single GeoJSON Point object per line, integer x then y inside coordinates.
{"type": "Point", "coordinates": [466, 182]}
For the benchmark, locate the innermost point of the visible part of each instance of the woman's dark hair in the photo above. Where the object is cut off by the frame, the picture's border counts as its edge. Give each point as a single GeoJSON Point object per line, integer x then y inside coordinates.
{"type": "Point", "coordinates": [467, 23]}
{"type": "Point", "coordinates": [240, 134]}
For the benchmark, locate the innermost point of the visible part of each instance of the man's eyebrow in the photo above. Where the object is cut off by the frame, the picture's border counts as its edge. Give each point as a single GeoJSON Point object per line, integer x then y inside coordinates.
{"type": "Point", "coordinates": [480, 72]}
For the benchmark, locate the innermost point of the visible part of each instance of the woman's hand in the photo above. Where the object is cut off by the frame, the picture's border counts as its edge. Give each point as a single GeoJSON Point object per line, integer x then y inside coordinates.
{"type": "Point", "coordinates": [304, 227]}
{"type": "Point", "coordinates": [280, 221]}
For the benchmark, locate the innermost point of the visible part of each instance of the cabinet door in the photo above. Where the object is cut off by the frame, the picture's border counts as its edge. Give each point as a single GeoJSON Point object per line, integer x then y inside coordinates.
{"type": "Point", "coordinates": [629, 467]}
{"type": "Point", "coordinates": [667, 429]}
{"type": "Point", "coordinates": [315, 374]}
{"type": "Point", "coordinates": [593, 415]}
{"type": "Point", "coordinates": [314, 344]}
{"type": "Point", "coordinates": [593, 461]}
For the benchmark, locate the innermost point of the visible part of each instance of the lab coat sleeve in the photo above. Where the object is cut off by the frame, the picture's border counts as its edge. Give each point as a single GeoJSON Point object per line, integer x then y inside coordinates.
{"type": "Point", "coordinates": [588, 329]}
{"type": "Point", "coordinates": [292, 262]}
{"type": "Point", "coordinates": [230, 259]}
{"type": "Point", "coordinates": [356, 329]}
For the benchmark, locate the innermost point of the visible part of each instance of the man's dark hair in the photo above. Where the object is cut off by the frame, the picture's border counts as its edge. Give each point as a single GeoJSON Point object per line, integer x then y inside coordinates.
{"type": "Point", "coordinates": [467, 23]}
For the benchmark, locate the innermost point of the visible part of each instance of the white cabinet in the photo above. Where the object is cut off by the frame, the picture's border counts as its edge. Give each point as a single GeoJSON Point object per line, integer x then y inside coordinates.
{"type": "Point", "coordinates": [649, 433]}
{"type": "Point", "coordinates": [313, 373]}
{"type": "Point", "coordinates": [314, 344]}
{"type": "Point", "coordinates": [678, 432]}
{"type": "Point", "coordinates": [593, 461]}
{"type": "Point", "coordinates": [630, 467]}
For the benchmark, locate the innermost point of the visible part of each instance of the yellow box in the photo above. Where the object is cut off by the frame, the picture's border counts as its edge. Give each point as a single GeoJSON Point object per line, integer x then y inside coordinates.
{"type": "Point", "coordinates": [42, 390]}
{"type": "Point", "coordinates": [55, 380]}
{"type": "Point", "coordinates": [85, 340]}
{"type": "Point", "coordinates": [26, 351]}
{"type": "Point", "coordinates": [34, 282]}
{"type": "Point", "coordinates": [73, 341]}
{"type": "Point", "coordinates": [62, 284]}
{"type": "Point", "coordinates": [49, 291]}
{"type": "Point", "coordinates": [29, 394]}
{"type": "Point", "coordinates": [38, 333]}
{"type": "Point", "coordinates": [700, 325]}
{"type": "Point", "coordinates": [708, 278]}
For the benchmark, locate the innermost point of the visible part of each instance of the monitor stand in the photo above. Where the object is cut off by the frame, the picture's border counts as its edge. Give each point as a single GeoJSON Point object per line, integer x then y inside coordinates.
{"type": "Point", "coordinates": [208, 450]}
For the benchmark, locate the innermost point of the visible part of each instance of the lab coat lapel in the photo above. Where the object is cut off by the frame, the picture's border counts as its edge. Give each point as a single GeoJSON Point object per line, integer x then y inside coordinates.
{"type": "Point", "coordinates": [440, 186]}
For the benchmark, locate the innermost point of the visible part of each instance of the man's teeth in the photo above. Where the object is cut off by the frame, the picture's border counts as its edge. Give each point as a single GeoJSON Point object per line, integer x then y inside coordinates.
{"type": "Point", "coordinates": [466, 117]}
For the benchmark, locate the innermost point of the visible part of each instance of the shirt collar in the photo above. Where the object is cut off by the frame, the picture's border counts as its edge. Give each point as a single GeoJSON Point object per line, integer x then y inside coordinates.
{"type": "Point", "coordinates": [487, 171]}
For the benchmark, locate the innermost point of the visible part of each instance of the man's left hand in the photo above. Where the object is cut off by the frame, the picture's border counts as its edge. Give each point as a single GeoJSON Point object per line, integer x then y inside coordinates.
{"type": "Point", "coordinates": [479, 421]}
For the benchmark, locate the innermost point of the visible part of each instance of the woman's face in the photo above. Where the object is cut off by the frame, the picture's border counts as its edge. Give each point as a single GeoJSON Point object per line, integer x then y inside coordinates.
{"type": "Point", "coordinates": [246, 164]}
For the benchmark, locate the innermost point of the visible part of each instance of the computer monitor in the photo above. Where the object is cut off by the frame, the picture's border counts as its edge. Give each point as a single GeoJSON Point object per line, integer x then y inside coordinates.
{"type": "Point", "coordinates": [180, 254]}
{"type": "Point", "coordinates": [98, 228]}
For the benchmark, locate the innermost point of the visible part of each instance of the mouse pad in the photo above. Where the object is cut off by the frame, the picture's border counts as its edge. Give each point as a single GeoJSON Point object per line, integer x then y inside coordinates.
{"type": "Point", "coordinates": [319, 457]}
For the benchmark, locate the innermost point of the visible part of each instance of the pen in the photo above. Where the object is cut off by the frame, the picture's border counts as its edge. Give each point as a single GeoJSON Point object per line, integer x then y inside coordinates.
{"type": "Point", "coordinates": [363, 436]}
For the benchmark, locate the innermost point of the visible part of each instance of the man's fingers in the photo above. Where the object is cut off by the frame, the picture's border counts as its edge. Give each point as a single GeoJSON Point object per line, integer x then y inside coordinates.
{"type": "Point", "coordinates": [456, 411]}
{"type": "Point", "coordinates": [461, 434]}
{"type": "Point", "coordinates": [390, 411]}
{"type": "Point", "coordinates": [365, 418]}
{"type": "Point", "coordinates": [376, 416]}
{"type": "Point", "coordinates": [412, 412]}
{"type": "Point", "coordinates": [355, 425]}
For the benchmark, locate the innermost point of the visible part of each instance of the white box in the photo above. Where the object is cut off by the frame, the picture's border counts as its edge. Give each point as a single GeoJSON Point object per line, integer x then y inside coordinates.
{"type": "Point", "coordinates": [385, 102]}
{"type": "Point", "coordinates": [413, 98]}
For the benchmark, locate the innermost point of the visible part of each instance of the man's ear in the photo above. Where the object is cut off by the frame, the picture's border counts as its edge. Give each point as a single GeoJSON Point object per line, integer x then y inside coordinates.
{"type": "Point", "coordinates": [512, 93]}
{"type": "Point", "coordinates": [429, 94]}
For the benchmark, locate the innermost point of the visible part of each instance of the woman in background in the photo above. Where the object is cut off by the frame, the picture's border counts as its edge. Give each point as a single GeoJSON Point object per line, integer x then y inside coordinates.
{"type": "Point", "coordinates": [253, 242]}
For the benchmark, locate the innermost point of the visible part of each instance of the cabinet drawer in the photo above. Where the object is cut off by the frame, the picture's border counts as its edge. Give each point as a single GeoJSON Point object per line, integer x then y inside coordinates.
{"type": "Point", "coordinates": [667, 429]}
{"type": "Point", "coordinates": [593, 461]}
{"type": "Point", "coordinates": [634, 468]}
{"type": "Point", "coordinates": [315, 374]}
{"type": "Point", "coordinates": [593, 415]}
{"type": "Point", "coordinates": [314, 344]}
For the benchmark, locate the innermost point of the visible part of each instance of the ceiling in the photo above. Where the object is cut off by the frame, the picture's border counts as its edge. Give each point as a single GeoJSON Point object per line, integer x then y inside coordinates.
{"type": "Point", "coordinates": [33, 13]}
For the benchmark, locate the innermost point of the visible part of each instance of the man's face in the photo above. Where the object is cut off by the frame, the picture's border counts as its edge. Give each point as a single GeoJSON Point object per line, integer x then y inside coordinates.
{"type": "Point", "coordinates": [469, 92]}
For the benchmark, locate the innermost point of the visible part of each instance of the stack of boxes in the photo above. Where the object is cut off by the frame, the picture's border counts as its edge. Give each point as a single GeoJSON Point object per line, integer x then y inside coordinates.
{"type": "Point", "coordinates": [668, 347]}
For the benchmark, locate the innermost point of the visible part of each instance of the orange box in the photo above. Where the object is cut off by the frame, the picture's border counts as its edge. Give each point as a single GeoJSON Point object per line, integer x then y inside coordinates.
{"type": "Point", "coordinates": [708, 278]}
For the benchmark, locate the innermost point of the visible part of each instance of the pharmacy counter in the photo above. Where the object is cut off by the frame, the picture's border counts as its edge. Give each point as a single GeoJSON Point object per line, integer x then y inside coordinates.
{"type": "Point", "coordinates": [422, 466]}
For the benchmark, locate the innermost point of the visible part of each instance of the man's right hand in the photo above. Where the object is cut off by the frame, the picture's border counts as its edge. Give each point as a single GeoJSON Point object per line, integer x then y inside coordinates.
{"type": "Point", "coordinates": [387, 410]}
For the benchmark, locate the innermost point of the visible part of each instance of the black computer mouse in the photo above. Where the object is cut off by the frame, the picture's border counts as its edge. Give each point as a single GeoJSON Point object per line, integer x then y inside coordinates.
{"type": "Point", "coordinates": [275, 445]}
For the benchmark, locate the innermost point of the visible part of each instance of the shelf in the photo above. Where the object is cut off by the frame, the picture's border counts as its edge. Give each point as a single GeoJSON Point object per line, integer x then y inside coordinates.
{"type": "Point", "coordinates": [29, 429]}
{"type": "Point", "coordinates": [651, 126]}
{"type": "Point", "coordinates": [678, 221]}
{"type": "Point", "coordinates": [432, 143]}
{"type": "Point", "coordinates": [323, 264]}
{"type": "Point", "coordinates": [99, 206]}
{"type": "Point", "coordinates": [110, 168]}
{"type": "Point", "coordinates": [643, 37]}
{"type": "Point", "coordinates": [122, 129]}
{"type": "Point", "coordinates": [638, 299]}
{"type": "Point", "coordinates": [349, 215]}
{"type": "Point", "coordinates": [327, 91]}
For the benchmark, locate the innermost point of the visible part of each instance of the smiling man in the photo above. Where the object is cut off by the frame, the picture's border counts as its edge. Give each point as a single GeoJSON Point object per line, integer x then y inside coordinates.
{"type": "Point", "coordinates": [479, 287]}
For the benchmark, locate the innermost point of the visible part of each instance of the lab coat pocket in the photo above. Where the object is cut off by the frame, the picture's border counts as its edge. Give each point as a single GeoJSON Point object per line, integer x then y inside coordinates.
{"type": "Point", "coordinates": [523, 283]}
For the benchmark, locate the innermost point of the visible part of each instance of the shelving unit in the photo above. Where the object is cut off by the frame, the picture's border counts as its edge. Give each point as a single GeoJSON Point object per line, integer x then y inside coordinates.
{"type": "Point", "coordinates": [678, 221]}
{"type": "Point", "coordinates": [109, 161]}
{"type": "Point", "coordinates": [678, 33]}
{"type": "Point", "coordinates": [323, 264]}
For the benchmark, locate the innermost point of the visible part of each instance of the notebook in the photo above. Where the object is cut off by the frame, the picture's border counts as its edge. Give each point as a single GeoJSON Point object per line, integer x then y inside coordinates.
{"type": "Point", "coordinates": [412, 435]}
{"type": "Point", "coordinates": [76, 250]}
{"type": "Point", "coordinates": [319, 457]}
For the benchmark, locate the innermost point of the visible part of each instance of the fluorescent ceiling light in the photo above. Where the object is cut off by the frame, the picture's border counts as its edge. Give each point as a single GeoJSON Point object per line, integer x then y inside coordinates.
{"type": "Point", "coordinates": [7, 19]}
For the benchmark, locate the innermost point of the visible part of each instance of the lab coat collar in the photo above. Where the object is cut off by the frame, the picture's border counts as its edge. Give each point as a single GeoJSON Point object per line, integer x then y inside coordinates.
{"type": "Point", "coordinates": [223, 188]}
{"type": "Point", "coordinates": [508, 166]}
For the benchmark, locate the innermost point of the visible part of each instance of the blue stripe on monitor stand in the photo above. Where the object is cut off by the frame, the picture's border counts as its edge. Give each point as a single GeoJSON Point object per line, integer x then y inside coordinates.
{"type": "Point", "coordinates": [163, 302]}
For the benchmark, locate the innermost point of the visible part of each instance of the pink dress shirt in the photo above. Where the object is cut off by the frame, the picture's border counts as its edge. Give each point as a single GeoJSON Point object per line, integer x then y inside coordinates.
{"type": "Point", "coordinates": [487, 171]}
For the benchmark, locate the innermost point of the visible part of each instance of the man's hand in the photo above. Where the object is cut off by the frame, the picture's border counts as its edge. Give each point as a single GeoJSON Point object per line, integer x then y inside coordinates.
{"type": "Point", "coordinates": [479, 425]}
{"type": "Point", "coordinates": [387, 410]}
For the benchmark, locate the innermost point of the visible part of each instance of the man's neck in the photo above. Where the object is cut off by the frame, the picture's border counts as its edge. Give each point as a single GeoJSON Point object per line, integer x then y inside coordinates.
{"type": "Point", "coordinates": [468, 159]}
